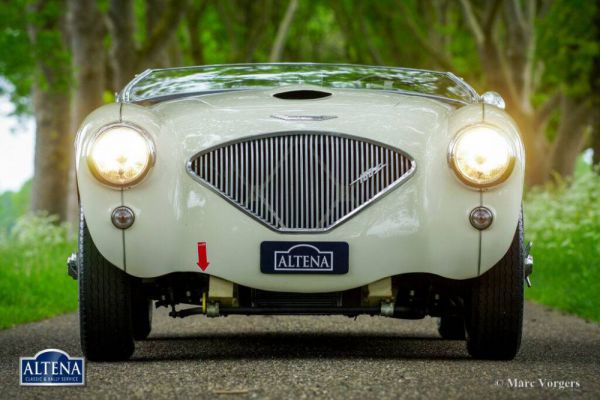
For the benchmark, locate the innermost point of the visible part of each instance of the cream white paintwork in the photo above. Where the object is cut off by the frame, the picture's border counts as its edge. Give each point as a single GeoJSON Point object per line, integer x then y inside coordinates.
{"type": "Point", "coordinates": [421, 226]}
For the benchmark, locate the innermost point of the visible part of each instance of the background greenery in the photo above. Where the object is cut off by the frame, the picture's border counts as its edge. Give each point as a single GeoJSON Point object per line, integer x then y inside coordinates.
{"type": "Point", "coordinates": [563, 222]}
{"type": "Point", "coordinates": [33, 279]}
{"type": "Point", "coordinates": [63, 58]}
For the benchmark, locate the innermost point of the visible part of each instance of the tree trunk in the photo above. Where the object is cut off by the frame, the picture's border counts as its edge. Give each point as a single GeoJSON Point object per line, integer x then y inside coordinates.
{"type": "Point", "coordinates": [537, 148]}
{"type": "Point", "coordinates": [88, 58]}
{"type": "Point", "coordinates": [162, 59]}
{"type": "Point", "coordinates": [193, 25]}
{"type": "Point", "coordinates": [282, 31]}
{"type": "Point", "coordinates": [51, 103]}
{"type": "Point", "coordinates": [596, 142]}
{"type": "Point", "coordinates": [123, 47]}
{"type": "Point", "coordinates": [595, 95]}
{"type": "Point", "coordinates": [87, 49]}
{"type": "Point", "coordinates": [196, 47]}
{"type": "Point", "coordinates": [569, 139]}
{"type": "Point", "coordinates": [53, 152]}
{"type": "Point", "coordinates": [126, 56]}
{"type": "Point", "coordinates": [256, 20]}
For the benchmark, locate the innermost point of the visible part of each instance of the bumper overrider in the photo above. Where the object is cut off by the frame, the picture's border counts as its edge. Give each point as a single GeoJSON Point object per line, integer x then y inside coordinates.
{"type": "Point", "coordinates": [385, 204]}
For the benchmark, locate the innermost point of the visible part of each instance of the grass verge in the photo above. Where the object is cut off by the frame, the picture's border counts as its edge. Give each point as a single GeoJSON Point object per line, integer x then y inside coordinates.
{"type": "Point", "coordinates": [563, 222]}
{"type": "Point", "coordinates": [33, 281]}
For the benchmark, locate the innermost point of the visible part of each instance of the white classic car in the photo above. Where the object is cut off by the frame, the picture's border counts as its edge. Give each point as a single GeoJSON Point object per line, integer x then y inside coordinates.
{"type": "Point", "coordinates": [301, 189]}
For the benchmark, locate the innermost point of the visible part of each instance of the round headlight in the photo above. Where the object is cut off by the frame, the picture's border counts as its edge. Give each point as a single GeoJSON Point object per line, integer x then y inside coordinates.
{"type": "Point", "coordinates": [482, 156]}
{"type": "Point", "coordinates": [120, 155]}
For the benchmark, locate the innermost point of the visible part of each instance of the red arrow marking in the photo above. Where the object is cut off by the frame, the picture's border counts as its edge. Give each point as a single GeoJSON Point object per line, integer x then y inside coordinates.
{"type": "Point", "coordinates": [202, 259]}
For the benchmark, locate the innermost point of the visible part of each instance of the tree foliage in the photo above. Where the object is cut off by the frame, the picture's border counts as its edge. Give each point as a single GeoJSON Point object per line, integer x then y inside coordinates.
{"type": "Point", "coordinates": [568, 44]}
{"type": "Point", "coordinates": [539, 54]}
{"type": "Point", "coordinates": [17, 61]}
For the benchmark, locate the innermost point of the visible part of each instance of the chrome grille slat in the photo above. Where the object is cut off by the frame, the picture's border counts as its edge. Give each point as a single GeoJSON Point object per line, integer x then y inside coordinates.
{"type": "Point", "coordinates": [286, 183]}
{"type": "Point", "coordinates": [301, 181]}
{"type": "Point", "coordinates": [338, 179]}
{"type": "Point", "coordinates": [322, 181]}
{"type": "Point", "coordinates": [362, 188]}
{"type": "Point", "coordinates": [244, 177]}
{"type": "Point", "coordinates": [311, 216]}
{"type": "Point", "coordinates": [261, 202]}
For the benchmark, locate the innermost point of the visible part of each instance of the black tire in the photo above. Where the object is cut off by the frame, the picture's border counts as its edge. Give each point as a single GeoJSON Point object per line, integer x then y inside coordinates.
{"type": "Point", "coordinates": [494, 316]}
{"type": "Point", "coordinates": [105, 295]}
{"type": "Point", "coordinates": [452, 327]}
{"type": "Point", "coordinates": [142, 316]}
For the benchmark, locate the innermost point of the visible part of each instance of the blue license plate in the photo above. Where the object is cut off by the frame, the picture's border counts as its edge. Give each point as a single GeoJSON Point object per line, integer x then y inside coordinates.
{"type": "Point", "coordinates": [304, 257]}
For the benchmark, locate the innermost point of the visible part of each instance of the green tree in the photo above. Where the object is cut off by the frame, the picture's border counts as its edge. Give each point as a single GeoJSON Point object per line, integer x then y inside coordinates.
{"type": "Point", "coordinates": [61, 57]}
{"type": "Point", "coordinates": [51, 105]}
{"type": "Point", "coordinates": [17, 64]}
{"type": "Point", "coordinates": [568, 45]}
{"type": "Point", "coordinates": [537, 54]}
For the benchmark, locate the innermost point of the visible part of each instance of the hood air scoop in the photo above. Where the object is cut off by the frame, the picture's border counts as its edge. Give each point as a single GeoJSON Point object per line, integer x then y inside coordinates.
{"type": "Point", "coordinates": [302, 94]}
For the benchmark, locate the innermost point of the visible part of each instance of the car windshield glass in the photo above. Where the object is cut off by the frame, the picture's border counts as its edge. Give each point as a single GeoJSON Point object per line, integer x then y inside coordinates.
{"type": "Point", "coordinates": [169, 82]}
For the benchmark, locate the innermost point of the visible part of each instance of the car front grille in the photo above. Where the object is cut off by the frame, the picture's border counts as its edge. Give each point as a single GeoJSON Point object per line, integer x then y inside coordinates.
{"type": "Point", "coordinates": [301, 181]}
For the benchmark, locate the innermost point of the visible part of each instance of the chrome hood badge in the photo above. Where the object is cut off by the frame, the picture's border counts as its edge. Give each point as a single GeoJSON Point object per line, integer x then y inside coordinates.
{"type": "Point", "coordinates": [303, 117]}
{"type": "Point", "coordinates": [368, 174]}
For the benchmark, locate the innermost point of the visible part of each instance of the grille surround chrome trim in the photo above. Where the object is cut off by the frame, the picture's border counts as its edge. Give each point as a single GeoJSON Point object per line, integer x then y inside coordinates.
{"type": "Point", "coordinates": [249, 141]}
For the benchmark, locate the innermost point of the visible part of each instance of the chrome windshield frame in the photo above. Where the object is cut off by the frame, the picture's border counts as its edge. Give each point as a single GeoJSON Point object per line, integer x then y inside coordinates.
{"type": "Point", "coordinates": [125, 95]}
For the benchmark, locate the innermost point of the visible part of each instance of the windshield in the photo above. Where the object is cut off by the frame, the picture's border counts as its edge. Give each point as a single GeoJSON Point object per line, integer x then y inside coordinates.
{"type": "Point", "coordinates": [173, 82]}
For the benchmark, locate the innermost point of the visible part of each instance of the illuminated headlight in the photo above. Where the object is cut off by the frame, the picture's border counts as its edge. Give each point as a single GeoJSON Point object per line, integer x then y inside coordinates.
{"type": "Point", "coordinates": [482, 156]}
{"type": "Point", "coordinates": [120, 155]}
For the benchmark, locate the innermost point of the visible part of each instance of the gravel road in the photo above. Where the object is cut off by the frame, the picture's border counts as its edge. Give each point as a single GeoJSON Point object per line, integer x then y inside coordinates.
{"type": "Point", "coordinates": [316, 357]}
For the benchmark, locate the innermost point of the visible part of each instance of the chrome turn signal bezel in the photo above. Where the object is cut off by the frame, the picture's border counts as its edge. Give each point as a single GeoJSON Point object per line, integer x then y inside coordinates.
{"type": "Point", "coordinates": [122, 217]}
{"type": "Point", "coordinates": [477, 221]}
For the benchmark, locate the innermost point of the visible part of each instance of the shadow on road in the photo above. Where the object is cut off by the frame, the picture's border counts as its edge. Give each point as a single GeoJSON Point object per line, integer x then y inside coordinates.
{"type": "Point", "coordinates": [298, 346]}
{"type": "Point", "coordinates": [257, 346]}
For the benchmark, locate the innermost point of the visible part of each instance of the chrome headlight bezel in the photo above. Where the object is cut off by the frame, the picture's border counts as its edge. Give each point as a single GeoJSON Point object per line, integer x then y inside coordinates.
{"type": "Point", "coordinates": [150, 148]}
{"type": "Point", "coordinates": [471, 183]}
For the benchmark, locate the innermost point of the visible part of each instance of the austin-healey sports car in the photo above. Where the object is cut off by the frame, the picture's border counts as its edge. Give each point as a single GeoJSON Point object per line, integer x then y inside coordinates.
{"type": "Point", "coordinates": [309, 189]}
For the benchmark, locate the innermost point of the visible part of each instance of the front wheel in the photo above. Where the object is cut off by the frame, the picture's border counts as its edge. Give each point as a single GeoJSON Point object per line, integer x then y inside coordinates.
{"type": "Point", "coordinates": [105, 304]}
{"type": "Point", "coordinates": [494, 315]}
